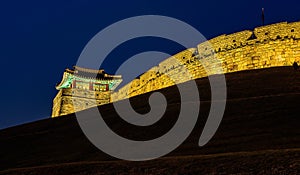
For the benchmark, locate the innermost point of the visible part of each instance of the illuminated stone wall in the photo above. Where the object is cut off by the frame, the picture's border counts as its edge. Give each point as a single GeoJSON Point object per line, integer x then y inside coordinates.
{"type": "Point", "coordinates": [70, 100]}
{"type": "Point", "coordinates": [267, 46]}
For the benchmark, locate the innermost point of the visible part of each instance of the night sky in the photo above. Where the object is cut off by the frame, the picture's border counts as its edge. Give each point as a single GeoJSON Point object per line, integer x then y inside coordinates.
{"type": "Point", "coordinates": [39, 39]}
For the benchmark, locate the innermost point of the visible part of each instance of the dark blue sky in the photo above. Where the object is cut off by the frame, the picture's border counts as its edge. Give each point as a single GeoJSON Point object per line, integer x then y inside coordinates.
{"type": "Point", "coordinates": [39, 39]}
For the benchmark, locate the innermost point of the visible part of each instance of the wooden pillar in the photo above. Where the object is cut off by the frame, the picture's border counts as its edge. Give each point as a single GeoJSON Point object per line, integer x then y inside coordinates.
{"type": "Point", "coordinates": [74, 84]}
{"type": "Point", "coordinates": [91, 86]}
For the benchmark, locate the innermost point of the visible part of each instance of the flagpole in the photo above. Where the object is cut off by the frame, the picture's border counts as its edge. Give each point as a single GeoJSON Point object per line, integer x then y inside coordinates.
{"type": "Point", "coordinates": [263, 16]}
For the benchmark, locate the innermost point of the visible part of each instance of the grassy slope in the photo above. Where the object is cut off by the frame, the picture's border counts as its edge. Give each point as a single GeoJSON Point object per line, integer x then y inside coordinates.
{"type": "Point", "coordinates": [259, 134]}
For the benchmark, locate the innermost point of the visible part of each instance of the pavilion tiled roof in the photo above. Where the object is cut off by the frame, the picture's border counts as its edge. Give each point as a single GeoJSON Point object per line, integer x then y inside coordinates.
{"type": "Point", "coordinates": [92, 73]}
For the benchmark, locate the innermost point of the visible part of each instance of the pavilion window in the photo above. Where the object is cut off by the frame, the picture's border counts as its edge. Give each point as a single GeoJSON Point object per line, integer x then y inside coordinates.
{"type": "Point", "coordinates": [82, 85]}
{"type": "Point", "coordinates": [100, 87]}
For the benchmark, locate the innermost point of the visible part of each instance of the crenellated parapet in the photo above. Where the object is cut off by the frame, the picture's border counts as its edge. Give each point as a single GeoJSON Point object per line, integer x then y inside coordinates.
{"type": "Point", "coordinates": [272, 32]}
{"type": "Point", "coordinates": [277, 31]}
{"type": "Point", "coordinates": [168, 72]}
{"type": "Point", "coordinates": [266, 46]}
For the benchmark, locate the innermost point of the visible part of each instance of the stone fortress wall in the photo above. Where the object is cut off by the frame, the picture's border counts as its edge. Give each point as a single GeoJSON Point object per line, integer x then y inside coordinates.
{"type": "Point", "coordinates": [266, 46]}
{"type": "Point", "coordinates": [70, 100]}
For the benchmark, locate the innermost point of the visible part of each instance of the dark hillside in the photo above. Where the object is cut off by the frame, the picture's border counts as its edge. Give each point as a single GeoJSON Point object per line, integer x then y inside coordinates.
{"type": "Point", "coordinates": [259, 134]}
